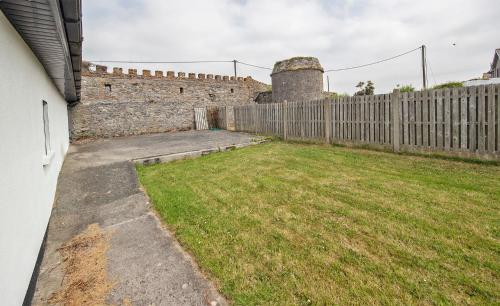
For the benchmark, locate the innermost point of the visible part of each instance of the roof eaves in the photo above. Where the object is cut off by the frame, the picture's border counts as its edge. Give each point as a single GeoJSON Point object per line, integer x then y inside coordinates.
{"type": "Point", "coordinates": [53, 31]}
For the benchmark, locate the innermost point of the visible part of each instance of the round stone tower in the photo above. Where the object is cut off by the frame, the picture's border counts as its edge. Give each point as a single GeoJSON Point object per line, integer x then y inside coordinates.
{"type": "Point", "coordinates": [297, 79]}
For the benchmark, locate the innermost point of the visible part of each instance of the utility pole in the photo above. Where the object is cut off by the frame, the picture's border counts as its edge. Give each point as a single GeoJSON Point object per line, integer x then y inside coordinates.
{"type": "Point", "coordinates": [328, 83]}
{"type": "Point", "coordinates": [424, 67]}
{"type": "Point", "coordinates": [234, 62]}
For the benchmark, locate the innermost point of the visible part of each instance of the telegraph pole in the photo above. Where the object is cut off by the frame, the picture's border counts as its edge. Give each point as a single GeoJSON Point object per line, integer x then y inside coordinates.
{"type": "Point", "coordinates": [234, 62]}
{"type": "Point", "coordinates": [424, 67]}
{"type": "Point", "coordinates": [328, 83]}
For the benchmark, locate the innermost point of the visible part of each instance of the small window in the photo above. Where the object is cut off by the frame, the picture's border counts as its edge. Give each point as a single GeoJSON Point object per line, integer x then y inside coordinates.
{"type": "Point", "coordinates": [46, 130]}
{"type": "Point", "coordinates": [107, 88]}
{"type": "Point", "coordinates": [232, 90]}
{"type": "Point", "coordinates": [181, 90]}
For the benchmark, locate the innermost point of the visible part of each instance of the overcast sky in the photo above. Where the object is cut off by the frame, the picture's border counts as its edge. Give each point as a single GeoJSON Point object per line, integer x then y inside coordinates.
{"type": "Point", "coordinates": [339, 33]}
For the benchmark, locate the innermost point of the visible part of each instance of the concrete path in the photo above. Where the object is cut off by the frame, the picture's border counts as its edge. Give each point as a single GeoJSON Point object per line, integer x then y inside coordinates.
{"type": "Point", "coordinates": [98, 184]}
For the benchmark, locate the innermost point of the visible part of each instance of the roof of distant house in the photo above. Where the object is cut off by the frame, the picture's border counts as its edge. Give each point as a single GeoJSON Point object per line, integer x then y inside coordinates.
{"type": "Point", "coordinates": [495, 58]}
{"type": "Point", "coordinates": [53, 31]}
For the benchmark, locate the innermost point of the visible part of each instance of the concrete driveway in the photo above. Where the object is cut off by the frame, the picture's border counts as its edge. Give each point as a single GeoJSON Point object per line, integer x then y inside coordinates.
{"type": "Point", "coordinates": [98, 184]}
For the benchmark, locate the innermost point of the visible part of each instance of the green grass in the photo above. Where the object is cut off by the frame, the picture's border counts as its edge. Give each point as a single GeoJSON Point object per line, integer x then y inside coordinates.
{"type": "Point", "coordinates": [293, 224]}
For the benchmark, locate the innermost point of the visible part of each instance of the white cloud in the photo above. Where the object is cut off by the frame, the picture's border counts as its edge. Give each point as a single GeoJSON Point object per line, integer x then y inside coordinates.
{"type": "Point", "coordinates": [340, 33]}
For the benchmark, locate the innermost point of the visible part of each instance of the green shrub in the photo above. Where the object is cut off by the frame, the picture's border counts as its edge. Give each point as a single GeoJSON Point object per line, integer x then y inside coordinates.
{"type": "Point", "coordinates": [335, 95]}
{"type": "Point", "coordinates": [449, 85]}
{"type": "Point", "coordinates": [407, 88]}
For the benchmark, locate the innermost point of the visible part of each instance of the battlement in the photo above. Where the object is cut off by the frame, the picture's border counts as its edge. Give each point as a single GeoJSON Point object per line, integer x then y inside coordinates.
{"type": "Point", "coordinates": [91, 70]}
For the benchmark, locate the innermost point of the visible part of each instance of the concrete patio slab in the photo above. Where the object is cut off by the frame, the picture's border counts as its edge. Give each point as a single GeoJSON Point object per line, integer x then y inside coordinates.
{"type": "Point", "coordinates": [98, 184]}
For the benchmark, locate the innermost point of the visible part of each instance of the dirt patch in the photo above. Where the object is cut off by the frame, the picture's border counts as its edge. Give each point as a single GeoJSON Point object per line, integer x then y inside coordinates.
{"type": "Point", "coordinates": [85, 279]}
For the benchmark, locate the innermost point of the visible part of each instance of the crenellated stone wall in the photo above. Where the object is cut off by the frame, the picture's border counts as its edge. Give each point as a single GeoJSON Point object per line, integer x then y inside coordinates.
{"type": "Point", "coordinates": [119, 104]}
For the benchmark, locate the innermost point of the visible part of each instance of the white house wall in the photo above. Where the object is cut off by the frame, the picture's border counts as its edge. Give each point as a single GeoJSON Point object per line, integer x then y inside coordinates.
{"type": "Point", "coordinates": [27, 188]}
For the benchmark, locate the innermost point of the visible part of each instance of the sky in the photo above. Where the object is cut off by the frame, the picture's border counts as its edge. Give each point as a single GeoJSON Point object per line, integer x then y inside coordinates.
{"type": "Point", "coordinates": [460, 36]}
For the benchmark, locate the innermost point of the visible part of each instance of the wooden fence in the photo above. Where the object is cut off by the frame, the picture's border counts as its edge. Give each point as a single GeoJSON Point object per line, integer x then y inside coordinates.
{"type": "Point", "coordinates": [463, 121]}
{"type": "Point", "coordinates": [217, 117]}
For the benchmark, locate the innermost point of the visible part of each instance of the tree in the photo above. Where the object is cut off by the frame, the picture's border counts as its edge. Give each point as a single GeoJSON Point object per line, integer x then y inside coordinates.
{"type": "Point", "coordinates": [367, 89]}
{"type": "Point", "coordinates": [370, 88]}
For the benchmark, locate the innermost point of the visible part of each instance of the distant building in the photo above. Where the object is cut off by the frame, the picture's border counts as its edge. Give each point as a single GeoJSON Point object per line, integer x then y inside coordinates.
{"type": "Point", "coordinates": [490, 77]}
{"type": "Point", "coordinates": [495, 66]}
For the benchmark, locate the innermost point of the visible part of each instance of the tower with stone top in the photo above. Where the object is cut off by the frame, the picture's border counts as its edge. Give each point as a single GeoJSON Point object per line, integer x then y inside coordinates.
{"type": "Point", "coordinates": [297, 79]}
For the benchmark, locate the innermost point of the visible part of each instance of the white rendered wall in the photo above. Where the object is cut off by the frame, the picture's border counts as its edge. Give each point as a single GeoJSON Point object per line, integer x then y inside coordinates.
{"type": "Point", "coordinates": [482, 82]}
{"type": "Point", "coordinates": [27, 188]}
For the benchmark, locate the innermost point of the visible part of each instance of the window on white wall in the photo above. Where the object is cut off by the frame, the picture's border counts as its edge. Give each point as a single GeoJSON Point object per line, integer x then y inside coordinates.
{"type": "Point", "coordinates": [46, 132]}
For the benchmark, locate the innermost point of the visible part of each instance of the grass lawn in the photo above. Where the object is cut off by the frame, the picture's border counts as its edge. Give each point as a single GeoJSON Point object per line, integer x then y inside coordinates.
{"type": "Point", "coordinates": [283, 224]}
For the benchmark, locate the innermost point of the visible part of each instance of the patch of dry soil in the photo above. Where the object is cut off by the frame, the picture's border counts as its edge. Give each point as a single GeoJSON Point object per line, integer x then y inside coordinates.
{"type": "Point", "coordinates": [85, 279]}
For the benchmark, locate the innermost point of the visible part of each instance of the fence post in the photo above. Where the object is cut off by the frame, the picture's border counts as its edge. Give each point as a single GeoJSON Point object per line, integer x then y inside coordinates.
{"type": "Point", "coordinates": [285, 120]}
{"type": "Point", "coordinates": [328, 119]}
{"type": "Point", "coordinates": [254, 113]}
{"type": "Point", "coordinates": [395, 120]}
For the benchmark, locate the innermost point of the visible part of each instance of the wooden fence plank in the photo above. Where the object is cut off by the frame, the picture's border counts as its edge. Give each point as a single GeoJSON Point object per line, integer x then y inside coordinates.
{"type": "Point", "coordinates": [328, 120]}
{"type": "Point", "coordinates": [361, 113]}
{"type": "Point", "coordinates": [386, 119]}
{"type": "Point", "coordinates": [491, 118]}
{"type": "Point", "coordinates": [455, 119]}
{"type": "Point", "coordinates": [396, 119]}
{"type": "Point", "coordinates": [463, 119]}
{"type": "Point", "coordinates": [447, 117]}
{"type": "Point", "coordinates": [418, 118]}
{"type": "Point", "coordinates": [334, 118]}
{"type": "Point", "coordinates": [359, 120]}
{"type": "Point", "coordinates": [380, 118]}
{"type": "Point", "coordinates": [308, 120]}
{"type": "Point", "coordinates": [362, 119]}
{"type": "Point", "coordinates": [497, 101]}
{"type": "Point", "coordinates": [425, 118]}
{"type": "Point", "coordinates": [432, 120]}
{"type": "Point", "coordinates": [375, 119]}
{"type": "Point", "coordinates": [473, 101]}
{"type": "Point", "coordinates": [440, 119]}
{"type": "Point", "coordinates": [347, 118]}
{"type": "Point", "coordinates": [411, 118]}
{"type": "Point", "coordinates": [353, 119]}
{"type": "Point", "coordinates": [368, 117]}
{"type": "Point", "coordinates": [404, 118]}
{"type": "Point", "coordinates": [344, 129]}
{"type": "Point", "coordinates": [481, 118]}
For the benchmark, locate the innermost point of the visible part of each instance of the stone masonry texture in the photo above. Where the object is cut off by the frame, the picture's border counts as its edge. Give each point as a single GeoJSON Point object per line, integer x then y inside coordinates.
{"type": "Point", "coordinates": [297, 79]}
{"type": "Point", "coordinates": [118, 104]}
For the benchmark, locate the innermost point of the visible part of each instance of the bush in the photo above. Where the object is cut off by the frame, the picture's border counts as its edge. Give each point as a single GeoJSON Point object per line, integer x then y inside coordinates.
{"type": "Point", "coordinates": [449, 85]}
{"type": "Point", "coordinates": [335, 95]}
{"type": "Point", "coordinates": [406, 88]}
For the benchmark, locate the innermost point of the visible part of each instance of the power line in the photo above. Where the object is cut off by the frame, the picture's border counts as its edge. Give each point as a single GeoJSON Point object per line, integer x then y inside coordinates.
{"type": "Point", "coordinates": [430, 68]}
{"type": "Point", "coordinates": [251, 65]}
{"type": "Point", "coordinates": [157, 62]}
{"type": "Point", "coordinates": [352, 67]}
{"type": "Point", "coordinates": [376, 62]}
{"type": "Point", "coordinates": [256, 66]}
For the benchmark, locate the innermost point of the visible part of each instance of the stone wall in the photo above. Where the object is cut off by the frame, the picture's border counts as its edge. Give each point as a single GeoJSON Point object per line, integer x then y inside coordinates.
{"type": "Point", "coordinates": [118, 104]}
{"type": "Point", "coordinates": [264, 97]}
